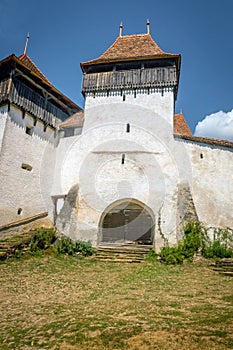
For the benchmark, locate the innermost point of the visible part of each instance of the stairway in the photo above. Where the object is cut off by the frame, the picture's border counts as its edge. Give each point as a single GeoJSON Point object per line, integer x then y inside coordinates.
{"type": "Point", "coordinates": [128, 253]}
{"type": "Point", "coordinates": [224, 266]}
{"type": "Point", "coordinates": [9, 245]}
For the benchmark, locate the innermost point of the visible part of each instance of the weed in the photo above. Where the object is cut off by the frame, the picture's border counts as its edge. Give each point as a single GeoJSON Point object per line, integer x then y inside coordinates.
{"type": "Point", "coordinates": [66, 246]}
{"type": "Point", "coordinates": [222, 245]}
{"type": "Point", "coordinates": [171, 255]}
{"type": "Point", "coordinates": [151, 256]}
{"type": "Point", "coordinates": [42, 239]}
{"type": "Point", "coordinates": [196, 240]}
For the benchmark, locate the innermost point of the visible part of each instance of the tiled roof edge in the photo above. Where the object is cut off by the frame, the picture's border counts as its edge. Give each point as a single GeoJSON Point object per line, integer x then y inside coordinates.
{"type": "Point", "coordinates": [205, 140]}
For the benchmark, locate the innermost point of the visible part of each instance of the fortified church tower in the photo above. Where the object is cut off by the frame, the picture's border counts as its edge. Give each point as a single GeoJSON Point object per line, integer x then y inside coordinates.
{"type": "Point", "coordinates": [129, 167]}
{"type": "Point", "coordinates": [124, 170]}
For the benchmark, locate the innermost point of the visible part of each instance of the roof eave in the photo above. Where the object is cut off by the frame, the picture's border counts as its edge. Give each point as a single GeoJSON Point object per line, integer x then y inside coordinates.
{"type": "Point", "coordinates": [205, 140]}
{"type": "Point", "coordinates": [128, 59]}
{"type": "Point", "coordinates": [17, 63]}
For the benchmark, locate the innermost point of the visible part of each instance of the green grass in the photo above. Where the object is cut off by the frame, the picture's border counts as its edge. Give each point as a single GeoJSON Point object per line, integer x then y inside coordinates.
{"type": "Point", "coordinates": [65, 302]}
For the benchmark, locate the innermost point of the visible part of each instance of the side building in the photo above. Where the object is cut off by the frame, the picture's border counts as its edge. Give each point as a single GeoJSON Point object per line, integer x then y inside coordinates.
{"type": "Point", "coordinates": [31, 110]}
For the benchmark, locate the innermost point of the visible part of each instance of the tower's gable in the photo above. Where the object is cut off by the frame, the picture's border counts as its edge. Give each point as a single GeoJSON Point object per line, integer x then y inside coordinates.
{"type": "Point", "coordinates": [132, 62]}
{"type": "Point", "coordinates": [131, 47]}
{"type": "Point", "coordinates": [25, 86]}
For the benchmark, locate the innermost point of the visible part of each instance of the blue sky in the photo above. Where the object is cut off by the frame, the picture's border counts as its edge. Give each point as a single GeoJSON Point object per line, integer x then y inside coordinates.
{"type": "Point", "coordinates": [65, 33]}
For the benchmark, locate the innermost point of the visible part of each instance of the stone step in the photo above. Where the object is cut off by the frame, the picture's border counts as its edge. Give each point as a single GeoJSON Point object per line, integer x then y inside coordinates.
{"type": "Point", "coordinates": [224, 266]}
{"type": "Point", "coordinates": [125, 248]}
{"type": "Point", "coordinates": [9, 245]}
{"type": "Point", "coordinates": [122, 253]}
{"type": "Point", "coordinates": [116, 260]}
{"type": "Point", "coordinates": [122, 256]}
{"type": "Point", "coordinates": [3, 255]}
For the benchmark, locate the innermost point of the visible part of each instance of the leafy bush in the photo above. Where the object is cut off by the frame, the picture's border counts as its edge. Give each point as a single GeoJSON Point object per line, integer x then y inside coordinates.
{"type": "Point", "coordinates": [222, 245]}
{"type": "Point", "coordinates": [66, 246]}
{"type": "Point", "coordinates": [151, 256]}
{"type": "Point", "coordinates": [42, 239]}
{"type": "Point", "coordinates": [218, 250]}
{"type": "Point", "coordinates": [171, 255]}
{"type": "Point", "coordinates": [195, 240]}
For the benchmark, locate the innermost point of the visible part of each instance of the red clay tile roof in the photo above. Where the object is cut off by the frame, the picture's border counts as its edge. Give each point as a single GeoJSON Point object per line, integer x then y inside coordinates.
{"type": "Point", "coordinates": [180, 125]}
{"type": "Point", "coordinates": [76, 120]}
{"type": "Point", "coordinates": [205, 140]}
{"type": "Point", "coordinates": [131, 47]}
{"type": "Point", "coordinates": [31, 65]}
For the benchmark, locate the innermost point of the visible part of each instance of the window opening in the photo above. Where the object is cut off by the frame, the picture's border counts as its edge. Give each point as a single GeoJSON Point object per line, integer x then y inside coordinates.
{"type": "Point", "coordinates": [26, 167]}
{"type": "Point", "coordinates": [128, 127]}
{"type": "Point", "coordinates": [123, 159]}
{"type": "Point", "coordinates": [29, 130]}
{"type": "Point", "coordinates": [19, 211]}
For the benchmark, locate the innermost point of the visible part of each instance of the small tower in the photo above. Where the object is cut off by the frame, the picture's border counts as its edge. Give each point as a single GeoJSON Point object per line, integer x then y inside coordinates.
{"type": "Point", "coordinates": [129, 107]}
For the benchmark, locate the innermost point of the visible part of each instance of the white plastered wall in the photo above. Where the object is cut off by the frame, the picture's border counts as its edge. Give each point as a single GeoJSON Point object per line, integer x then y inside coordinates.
{"type": "Point", "coordinates": [153, 164]}
{"type": "Point", "coordinates": [212, 183]}
{"type": "Point", "coordinates": [28, 190]}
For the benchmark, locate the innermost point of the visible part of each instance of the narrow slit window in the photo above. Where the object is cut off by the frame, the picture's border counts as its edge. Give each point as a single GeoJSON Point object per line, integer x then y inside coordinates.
{"type": "Point", "coordinates": [19, 211]}
{"type": "Point", "coordinates": [128, 127]}
{"type": "Point", "coordinates": [124, 97]}
{"type": "Point", "coordinates": [201, 156]}
{"type": "Point", "coordinates": [27, 167]}
{"type": "Point", "coordinates": [123, 159]}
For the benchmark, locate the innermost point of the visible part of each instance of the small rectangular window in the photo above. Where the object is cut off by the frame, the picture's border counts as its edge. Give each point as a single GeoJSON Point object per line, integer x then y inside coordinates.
{"type": "Point", "coordinates": [19, 211]}
{"type": "Point", "coordinates": [27, 167]}
{"type": "Point", "coordinates": [123, 159]}
{"type": "Point", "coordinates": [68, 132]}
{"type": "Point", "coordinates": [29, 130]}
{"type": "Point", "coordinates": [128, 127]}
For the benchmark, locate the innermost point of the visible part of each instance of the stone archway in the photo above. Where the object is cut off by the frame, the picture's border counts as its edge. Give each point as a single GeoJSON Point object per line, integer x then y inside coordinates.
{"type": "Point", "coordinates": [127, 221]}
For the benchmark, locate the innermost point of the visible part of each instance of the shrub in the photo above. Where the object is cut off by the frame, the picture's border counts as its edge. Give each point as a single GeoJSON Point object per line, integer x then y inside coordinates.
{"type": "Point", "coordinates": [218, 250]}
{"type": "Point", "coordinates": [222, 245]}
{"type": "Point", "coordinates": [66, 246]}
{"type": "Point", "coordinates": [195, 239]}
{"type": "Point", "coordinates": [151, 256]}
{"type": "Point", "coordinates": [42, 239]}
{"type": "Point", "coordinates": [171, 255]}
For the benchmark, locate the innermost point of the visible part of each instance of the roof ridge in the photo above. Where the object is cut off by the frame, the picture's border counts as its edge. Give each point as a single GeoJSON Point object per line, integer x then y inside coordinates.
{"type": "Point", "coordinates": [32, 66]}
{"type": "Point", "coordinates": [206, 140]}
{"type": "Point", "coordinates": [133, 46]}
{"type": "Point", "coordinates": [142, 34]}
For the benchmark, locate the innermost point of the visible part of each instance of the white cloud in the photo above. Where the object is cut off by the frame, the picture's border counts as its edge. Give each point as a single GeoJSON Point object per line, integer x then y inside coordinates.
{"type": "Point", "coordinates": [218, 125]}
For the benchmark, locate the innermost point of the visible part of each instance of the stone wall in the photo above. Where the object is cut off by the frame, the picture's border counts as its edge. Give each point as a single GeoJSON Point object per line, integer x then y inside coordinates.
{"type": "Point", "coordinates": [211, 183]}
{"type": "Point", "coordinates": [152, 160]}
{"type": "Point", "coordinates": [26, 167]}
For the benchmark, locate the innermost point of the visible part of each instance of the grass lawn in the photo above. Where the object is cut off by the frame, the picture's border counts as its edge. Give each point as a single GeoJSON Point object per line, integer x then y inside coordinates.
{"type": "Point", "coordinates": [70, 303]}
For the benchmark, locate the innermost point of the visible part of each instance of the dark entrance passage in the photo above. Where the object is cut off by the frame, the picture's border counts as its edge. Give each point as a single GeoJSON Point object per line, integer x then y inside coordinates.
{"type": "Point", "coordinates": [126, 223]}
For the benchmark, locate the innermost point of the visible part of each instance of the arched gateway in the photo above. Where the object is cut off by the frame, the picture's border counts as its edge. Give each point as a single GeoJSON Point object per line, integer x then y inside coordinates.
{"type": "Point", "coordinates": [127, 221]}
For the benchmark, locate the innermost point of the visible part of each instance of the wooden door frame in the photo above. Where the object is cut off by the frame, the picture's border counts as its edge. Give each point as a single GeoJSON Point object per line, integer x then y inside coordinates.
{"type": "Point", "coordinates": [123, 201]}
